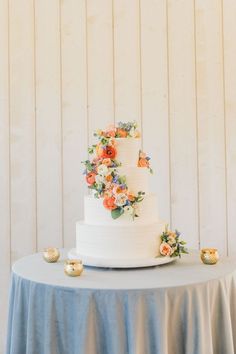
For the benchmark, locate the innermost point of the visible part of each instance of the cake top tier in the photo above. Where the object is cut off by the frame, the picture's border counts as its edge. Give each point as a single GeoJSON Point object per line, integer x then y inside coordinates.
{"type": "Point", "coordinates": [123, 142]}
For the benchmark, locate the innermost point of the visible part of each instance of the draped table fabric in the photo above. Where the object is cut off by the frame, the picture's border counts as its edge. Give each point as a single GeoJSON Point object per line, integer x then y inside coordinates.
{"type": "Point", "coordinates": [183, 307]}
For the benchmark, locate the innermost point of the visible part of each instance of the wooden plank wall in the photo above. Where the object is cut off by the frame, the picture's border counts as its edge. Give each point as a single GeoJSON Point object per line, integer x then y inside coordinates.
{"type": "Point", "coordinates": [68, 67]}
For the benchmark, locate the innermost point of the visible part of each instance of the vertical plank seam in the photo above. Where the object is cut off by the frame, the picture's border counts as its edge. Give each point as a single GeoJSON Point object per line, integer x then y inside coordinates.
{"type": "Point", "coordinates": [168, 110]}
{"type": "Point", "coordinates": [225, 128]}
{"type": "Point", "coordinates": [140, 73]}
{"type": "Point", "coordinates": [113, 63]}
{"type": "Point", "coordinates": [87, 88]}
{"type": "Point", "coordinates": [35, 128]}
{"type": "Point", "coordinates": [9, 130]}
{"type": "Point", "coordinates": [196, 123]}
{"type": "Point", "coordinates": [61, 121]}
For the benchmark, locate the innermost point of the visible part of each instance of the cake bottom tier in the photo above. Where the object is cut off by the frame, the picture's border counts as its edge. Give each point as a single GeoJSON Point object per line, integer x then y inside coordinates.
{"type": "Point", "coordinates": [119, 242]}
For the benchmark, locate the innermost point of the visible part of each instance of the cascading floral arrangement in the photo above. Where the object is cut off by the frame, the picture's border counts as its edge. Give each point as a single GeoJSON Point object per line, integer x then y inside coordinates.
{"type": "Point", "coordinates": [102, 175]}
{"type": "Point", "coordinates": [171, 244]}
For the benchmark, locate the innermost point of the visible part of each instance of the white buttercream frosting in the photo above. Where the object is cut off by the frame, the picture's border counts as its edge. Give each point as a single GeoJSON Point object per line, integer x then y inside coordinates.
{"type": "Point", "coordinates": [95, 213]}
{"type": "Point", "coordinates": [119, 241]}
{"type": "Point", "coordinates": [137, 178]}
{"type": "Point", "coordinates": [128, 151]}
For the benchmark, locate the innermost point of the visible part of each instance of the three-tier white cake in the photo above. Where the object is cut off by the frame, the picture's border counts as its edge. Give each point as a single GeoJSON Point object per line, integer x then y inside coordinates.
{"type": "Point", "coordinates": [99, 236]}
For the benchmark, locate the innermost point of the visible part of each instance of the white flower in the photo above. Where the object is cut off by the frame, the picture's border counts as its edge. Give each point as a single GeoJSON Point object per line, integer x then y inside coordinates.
{"type": "Point", "coordinates": [128, 209]}
{"type": "Point", "coordinates": [102, 170]}
{"type": "Point", "coordinates": [99, 179]}
{"type": "Point", "coordinates": [132, 132]}
{"type": "Point", "coordinates": [121, 199]}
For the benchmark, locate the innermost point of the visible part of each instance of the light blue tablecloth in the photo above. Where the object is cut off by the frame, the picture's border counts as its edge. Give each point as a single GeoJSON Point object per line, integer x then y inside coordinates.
{"type": "Point", "coordinates": [181, 308]}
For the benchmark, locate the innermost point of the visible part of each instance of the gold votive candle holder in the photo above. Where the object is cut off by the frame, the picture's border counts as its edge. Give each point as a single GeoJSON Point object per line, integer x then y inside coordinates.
{"type": "Point", "coordinates": [209, 255]}
{"type": "Point", "coordinates": [51, 254]}
{"type": "Point", "coordinates": [73, 267]}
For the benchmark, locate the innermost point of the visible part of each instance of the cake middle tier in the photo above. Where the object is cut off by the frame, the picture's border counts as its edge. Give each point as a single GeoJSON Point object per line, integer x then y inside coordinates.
{"type": "Point", "coordinates": [96, 214]}
{"type": "Point", "coordinates": [137, 178]}
{"type": "Point", "coordinates": [128, 150]}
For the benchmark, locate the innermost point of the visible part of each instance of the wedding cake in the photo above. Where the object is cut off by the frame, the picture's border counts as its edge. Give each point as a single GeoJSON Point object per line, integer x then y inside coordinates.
{"type": "Point", "coordinates": [121, 220]}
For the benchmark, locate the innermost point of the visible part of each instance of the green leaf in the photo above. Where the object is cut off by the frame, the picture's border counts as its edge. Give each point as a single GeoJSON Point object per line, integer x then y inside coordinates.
{"type": "Point", "coordinates": [116, 213]}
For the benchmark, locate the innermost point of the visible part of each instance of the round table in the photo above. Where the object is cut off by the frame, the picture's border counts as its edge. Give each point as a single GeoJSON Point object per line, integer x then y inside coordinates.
{"type": "Point", "coordinates": [184, 307]}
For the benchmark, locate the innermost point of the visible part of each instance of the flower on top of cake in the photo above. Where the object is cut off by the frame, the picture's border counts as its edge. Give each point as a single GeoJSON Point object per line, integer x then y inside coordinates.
{"type": "Point", "coordinates": [101, 172]}
{"type": "Point", "coordinates": [171, 244]}
{"type": "Point", "coordinates": [123, 130]}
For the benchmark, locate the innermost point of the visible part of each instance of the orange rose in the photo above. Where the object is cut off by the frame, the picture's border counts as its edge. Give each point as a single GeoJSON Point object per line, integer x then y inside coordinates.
{"type": "Point", "coordinates": [109, 203]}
{"type": "Point", "coordinates": [143, 163]}
{"type": "Point", "coordinates": [108, 152]}
{"type": "Point", "coordinates": [90, 178]}
{"type": "Point", "coordinates": [121, 133]}
{"type": "Point", "coordinates": [109, 178]}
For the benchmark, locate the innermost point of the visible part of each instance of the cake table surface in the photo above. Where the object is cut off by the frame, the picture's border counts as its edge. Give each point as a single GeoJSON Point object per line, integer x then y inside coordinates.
{"type": "Point", "coordinates": [181, 307]}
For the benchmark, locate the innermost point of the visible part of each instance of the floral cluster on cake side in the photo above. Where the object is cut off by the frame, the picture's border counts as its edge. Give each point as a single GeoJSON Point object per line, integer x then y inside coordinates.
{"type": "Point", "coordinates": [102, 175]}
{"type": "Point", "coordinates": [144, 161]}
{"type": "Point", "coordinates": [171, 244]}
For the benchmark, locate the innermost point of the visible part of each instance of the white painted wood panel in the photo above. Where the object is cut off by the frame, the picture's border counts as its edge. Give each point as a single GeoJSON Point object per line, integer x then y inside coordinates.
{"type": "Point", "coordinates": [100, 65]}
{"type": "Point", "coordinates": [182, 102]}
{"type": "Point", "coordinates": [211, 130]}
{"type": "Point", "coordinates": [229, 52]}
{"type": "Point", "coordinates": [5, 259]}
{"type": "Point", "coordinates": [74, 112]}
{"type": "Point", "coordinates": [49, 124]}
{"type": "Point", "coordinates": [22, 128]}
{"type": "Point", "coordinates": [128, 105]}
{"type": "Point", "coordinates": [155, 121]}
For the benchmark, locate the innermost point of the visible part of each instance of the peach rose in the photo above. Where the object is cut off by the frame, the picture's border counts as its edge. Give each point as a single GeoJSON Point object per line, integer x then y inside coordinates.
{"type": "Point", "coordinates": [109, 203]}
{"type": "Point", "coordinates": [143, 163]}
{"type": "Point", "coordinates": [90, 178]}
{"type": "Point", "coordinates": [106, 162]}
{"type": "Point", "coordinates": [165, 249]}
